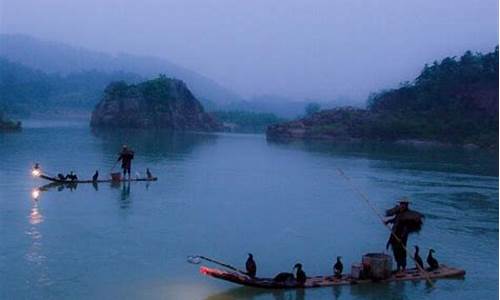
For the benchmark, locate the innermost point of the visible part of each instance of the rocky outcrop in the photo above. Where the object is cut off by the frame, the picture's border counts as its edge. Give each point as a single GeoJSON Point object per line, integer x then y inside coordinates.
{"type": "Point", "coordinates": [159, 103]}
{"type": "Point", "coordinates": [338, 124]}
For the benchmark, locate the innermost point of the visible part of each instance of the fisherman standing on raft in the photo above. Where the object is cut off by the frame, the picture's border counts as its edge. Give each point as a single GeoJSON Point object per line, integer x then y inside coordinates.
{"type": "Point", "coordinates": [405, 221]}
{"type": "Point", "coordinates": [126, 156]}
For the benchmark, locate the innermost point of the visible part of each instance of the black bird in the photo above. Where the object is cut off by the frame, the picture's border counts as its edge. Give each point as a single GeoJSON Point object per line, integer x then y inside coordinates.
{"type": "Point", "coordinates": [96, 175]}
{"type": "Point", "coordinates": [418, 259]}
{"type": "Point", "coordinates": [148, 173]}
{"type": "Point", "coordinates": [338, 267]}
{"type": "Point", "coordinates": [250, 265]}
{"type": "Point", "coordinates": [72, 176]}
{"type": "Point", "coordinates": [283, 277]}
{"type": "Point", "coordinates": [433, 263]}
{"type": "Point", "coordinates": [300, 274]}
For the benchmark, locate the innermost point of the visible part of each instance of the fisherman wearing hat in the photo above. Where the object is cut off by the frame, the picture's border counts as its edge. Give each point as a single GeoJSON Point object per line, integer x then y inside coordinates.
{"type": "Point", "coordinates": [405, 221]}
{"type": "Point", "coordinates": [126, 156]}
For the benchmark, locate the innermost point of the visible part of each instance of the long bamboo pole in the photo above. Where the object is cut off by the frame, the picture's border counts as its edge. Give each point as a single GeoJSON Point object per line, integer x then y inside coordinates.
{"type": "Point", "coordinates": [217, 262]}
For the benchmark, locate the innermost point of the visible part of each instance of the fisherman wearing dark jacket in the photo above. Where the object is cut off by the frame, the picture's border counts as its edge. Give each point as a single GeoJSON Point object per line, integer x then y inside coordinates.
{"type": "Point", "coordinates": [405, 221]}
{"type": "Point", "coordinates": [126, 156]}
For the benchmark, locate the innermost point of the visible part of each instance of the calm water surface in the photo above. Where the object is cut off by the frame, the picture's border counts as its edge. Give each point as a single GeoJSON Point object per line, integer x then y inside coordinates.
{"type": "Point", "coordinates": [223, 196]}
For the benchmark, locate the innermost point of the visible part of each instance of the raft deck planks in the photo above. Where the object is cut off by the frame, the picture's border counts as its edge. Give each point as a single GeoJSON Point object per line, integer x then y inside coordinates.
{"type": "Point", "coordinates": [324, 281]}
{"type": "Point", "coordinates": [57, 180]}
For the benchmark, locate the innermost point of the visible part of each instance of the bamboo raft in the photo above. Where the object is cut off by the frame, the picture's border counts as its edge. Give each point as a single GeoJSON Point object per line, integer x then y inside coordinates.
{"type": "Point", "coordinates": [59, 181]}
{"type": "Point", "coordinates": [325, 281]}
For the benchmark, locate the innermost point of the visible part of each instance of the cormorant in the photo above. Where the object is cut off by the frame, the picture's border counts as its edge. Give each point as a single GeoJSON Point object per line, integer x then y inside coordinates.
{"type": "Point", "coordinates": [300, 274]}
{"type": "Point", "coordinates": [148, 174]}
{"type": "Point", "coordinates": [72, 176]}
{"type": "Point", "coordinates": [250, 265]}
{"type": "Point", "coordinates": [338, 268]}
{"type": "Point", "coordinates": [96, 175]}
{"type": "Point", "coordinates": [433, 263]}
{"type": "Point", "coordinates": [283, 277]}
{"type": "Point", "coordinates": [418, 259]}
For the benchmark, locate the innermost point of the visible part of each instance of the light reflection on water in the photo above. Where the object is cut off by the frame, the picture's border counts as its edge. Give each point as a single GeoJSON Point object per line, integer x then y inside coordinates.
{"type": "Point", "coordinates": [35, 215]}
{"type": "Point", "coordinates": [223, 196]}
{"type": "Point", "coordinates": [35, 255]}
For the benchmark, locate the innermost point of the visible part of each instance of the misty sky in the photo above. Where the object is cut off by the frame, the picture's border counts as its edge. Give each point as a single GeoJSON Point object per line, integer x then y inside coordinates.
{"type": "Point", "coordinates": [298, 49]}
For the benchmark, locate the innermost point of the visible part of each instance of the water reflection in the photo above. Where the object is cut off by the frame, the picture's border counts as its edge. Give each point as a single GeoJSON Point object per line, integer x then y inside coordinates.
{"type": "Point", "coordinates": [397, 156]}
{"type": "Point", "coordinates": [123, 186]}
{"type": "Point", "coordinates": [337, 292]}
{"type": "Point", "coordinates": [125, 200]}
{"type": "Point", "coordinates": [36, 193]}
{"type": "Point", "coordinates": [154, 143]}
{"type": "Point", "coordinates": [35, 216]}
{"type": "Point", "coordinates": [395, 290]}
{"type": "Point", "coordinates": [248, 293]}
{"type": "Point", "coordinates": [34, 255]}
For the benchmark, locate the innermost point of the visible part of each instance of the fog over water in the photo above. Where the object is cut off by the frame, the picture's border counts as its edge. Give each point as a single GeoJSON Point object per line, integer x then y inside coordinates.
{"type": "Point", "coordinates": [296, 49]}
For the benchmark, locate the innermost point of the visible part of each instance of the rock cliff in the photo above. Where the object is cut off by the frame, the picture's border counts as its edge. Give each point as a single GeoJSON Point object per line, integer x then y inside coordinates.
{"type": "Point", "coordinates": [158, 103]}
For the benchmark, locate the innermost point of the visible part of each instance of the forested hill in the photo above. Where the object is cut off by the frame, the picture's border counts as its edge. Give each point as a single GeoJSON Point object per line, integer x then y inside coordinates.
{"type": "Point", "coordinates": [24, 90]}
{"type": "Point", "coordinates": [452, 101]}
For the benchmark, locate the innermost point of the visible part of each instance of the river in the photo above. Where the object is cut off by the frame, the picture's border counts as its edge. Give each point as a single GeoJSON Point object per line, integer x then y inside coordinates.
{"type": "Point", "coordinates": [224, 195]}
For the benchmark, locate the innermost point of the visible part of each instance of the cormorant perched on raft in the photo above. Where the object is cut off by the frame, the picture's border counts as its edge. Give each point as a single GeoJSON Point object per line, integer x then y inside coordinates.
{"type": "Point", "coordinates": [300, 275]}
{"type": "Point", "coordinates": [418, 259]}
{"type": "Point", "coordinates": [283, 277]}
{"type": "Point", "coordinates": [148, 174]}
{"type": "Point", "coordinates": [71, 176]}
{"type": "Point", "coordinates": [338, 268]}
{"type": "Point", "coordinates": [96, 175]}
{"type": "Point", "coordinates": [250, 264]}
{"type": "Point", "coordinates": [433, 263]}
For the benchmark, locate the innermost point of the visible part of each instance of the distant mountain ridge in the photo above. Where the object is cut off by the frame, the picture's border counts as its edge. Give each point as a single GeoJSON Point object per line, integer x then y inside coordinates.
{"type": "Point", "coordinates": [55, 57]}
{"type": "Point", "coordinates": [26, 91]}
{"type": "Point", "coordinates": [50, 60]}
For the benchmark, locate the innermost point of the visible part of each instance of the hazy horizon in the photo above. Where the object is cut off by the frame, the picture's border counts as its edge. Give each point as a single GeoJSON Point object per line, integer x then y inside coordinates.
{"type": "Point", "coordinates": [300, 50]}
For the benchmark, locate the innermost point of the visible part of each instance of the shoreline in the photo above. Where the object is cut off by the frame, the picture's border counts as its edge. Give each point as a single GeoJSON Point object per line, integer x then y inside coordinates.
{"type": "Point", "coordinates": [415, 143]}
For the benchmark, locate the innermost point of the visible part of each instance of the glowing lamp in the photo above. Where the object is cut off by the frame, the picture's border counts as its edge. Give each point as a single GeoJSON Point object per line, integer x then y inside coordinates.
{"type": "Point", "coordinates": [35, 194]}
{"type": "Point", "coordinates": [36, 170]}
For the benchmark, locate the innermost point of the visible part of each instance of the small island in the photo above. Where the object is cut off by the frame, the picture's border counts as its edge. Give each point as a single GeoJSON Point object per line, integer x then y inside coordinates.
{"type": "Point", "coordinates": [454, 101]}
{"type": "Point", "coordinates": [163, 102]}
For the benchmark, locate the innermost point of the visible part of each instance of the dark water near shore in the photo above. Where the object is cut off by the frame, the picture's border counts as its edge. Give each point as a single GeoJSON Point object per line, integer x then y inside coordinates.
{"type": "Point", "coordinates": [223, 196]}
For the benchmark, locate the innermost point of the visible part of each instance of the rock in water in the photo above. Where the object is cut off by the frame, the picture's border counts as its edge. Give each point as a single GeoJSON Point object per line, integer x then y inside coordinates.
{"type": "Point", "coordinates": [159, 103]}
